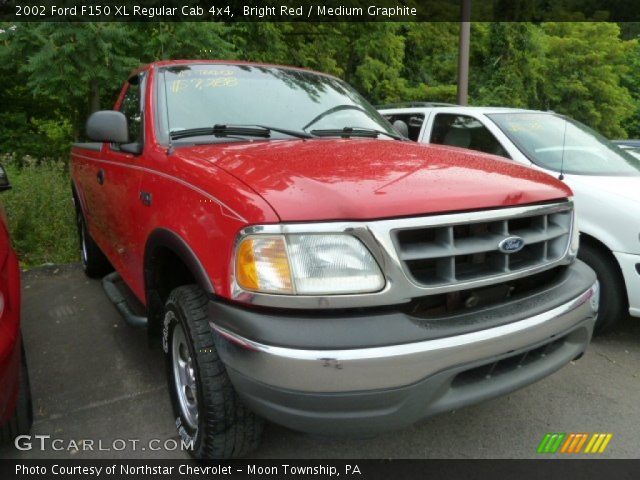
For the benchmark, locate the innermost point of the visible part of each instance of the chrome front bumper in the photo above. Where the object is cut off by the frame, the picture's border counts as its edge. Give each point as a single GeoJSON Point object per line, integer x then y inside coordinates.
{"type": "Point", "coordinates": [387, 367]}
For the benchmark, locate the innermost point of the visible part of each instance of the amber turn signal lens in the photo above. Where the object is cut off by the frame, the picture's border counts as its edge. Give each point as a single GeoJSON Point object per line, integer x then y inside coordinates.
{"type": "Point", "coordinates": [246, 271]}
{"type": "Point", "coordinates": [262, 265]}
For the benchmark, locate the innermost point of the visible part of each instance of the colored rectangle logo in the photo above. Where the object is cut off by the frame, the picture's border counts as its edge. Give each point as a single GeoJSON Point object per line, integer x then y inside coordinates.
{"type": "Point", "coordinates": [574, 443]}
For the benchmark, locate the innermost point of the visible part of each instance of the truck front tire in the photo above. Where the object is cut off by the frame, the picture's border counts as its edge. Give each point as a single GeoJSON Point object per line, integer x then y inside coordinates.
{"type": "Point", "coordinates": [209, 413]}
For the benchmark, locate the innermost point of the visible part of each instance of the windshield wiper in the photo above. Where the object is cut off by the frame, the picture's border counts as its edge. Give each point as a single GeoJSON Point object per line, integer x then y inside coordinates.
{"type": "Point", "coordinates": [286, 131]}
{"type": "Point", "coordinates": [347, 132]}
{"type": "Point", "coordinates": [221, 131]}
{"type": "Point", "coordinates": [218, 130]}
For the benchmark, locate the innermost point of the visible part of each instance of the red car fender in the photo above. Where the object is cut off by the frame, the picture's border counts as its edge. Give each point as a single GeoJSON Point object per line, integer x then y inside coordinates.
{"type": "Point", "coordinates": [9, 326]}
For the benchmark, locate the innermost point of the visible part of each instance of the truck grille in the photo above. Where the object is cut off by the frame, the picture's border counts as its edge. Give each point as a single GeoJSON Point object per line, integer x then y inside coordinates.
{"type": "Point", "coordinates": [446, 254]}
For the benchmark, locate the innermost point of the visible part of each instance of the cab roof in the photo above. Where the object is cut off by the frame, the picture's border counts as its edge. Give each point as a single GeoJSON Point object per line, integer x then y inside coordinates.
{"type": "Point", "coordinates": [167, 63]}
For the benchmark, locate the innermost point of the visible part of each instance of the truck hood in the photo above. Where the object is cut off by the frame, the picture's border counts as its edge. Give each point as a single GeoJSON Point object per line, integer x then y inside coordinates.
{"type": "Point", "coordinates": [357, 179]}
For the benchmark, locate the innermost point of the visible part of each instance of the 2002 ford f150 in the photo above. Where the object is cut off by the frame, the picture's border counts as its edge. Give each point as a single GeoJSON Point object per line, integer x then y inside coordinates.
{"type": "Point", "coordinates": [304, 264]}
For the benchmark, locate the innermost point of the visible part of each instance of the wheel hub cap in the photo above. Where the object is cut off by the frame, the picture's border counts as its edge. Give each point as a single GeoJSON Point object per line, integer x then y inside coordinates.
{"type": "Point", "coordinates": [184, 377]}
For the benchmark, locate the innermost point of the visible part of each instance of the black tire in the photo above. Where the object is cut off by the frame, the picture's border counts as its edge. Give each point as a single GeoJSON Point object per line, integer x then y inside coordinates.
{"type": "Point", "coordinates": [20, 423]}
{"type": "Point", "coordinates": [94, 262]}
{"type": "Point", "coordinates": [224, 427]}
{"type": "Point", "coordinates": [613, 294]}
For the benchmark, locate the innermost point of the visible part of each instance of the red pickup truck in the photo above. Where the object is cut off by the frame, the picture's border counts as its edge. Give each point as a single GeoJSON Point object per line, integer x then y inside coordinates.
{"type": "Point", "coordinates": [305, 264]}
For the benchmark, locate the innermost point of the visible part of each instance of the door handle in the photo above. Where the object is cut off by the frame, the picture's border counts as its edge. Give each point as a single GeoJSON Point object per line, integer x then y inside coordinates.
{"type": "Point", "coordinates": [100, 176]}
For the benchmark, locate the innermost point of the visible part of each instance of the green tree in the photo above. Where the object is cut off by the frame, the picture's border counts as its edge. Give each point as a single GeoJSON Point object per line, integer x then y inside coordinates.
{"type": "Point", "coordinates": [23, 115]}
{"type": "Point", "coordinates": [431, 59]}
{"type": "Point", "coordinates": [630, 80]}
{"type": "Point", "coordinates": [172, 40]}
{"type": "Point", "coordinates": [319, 46]}
{"type": "Point", "coordinates": [511, 74]}
{"type": "Point", "coordinates": [263, 41]}
{"type": "Point", "coordinates": [375, 61]}
{"type": "Point", "coordinates": [583, 72]}
{"type": "Point", "coordinates": [72, 65]}
{"type": "Point", "coordinates": [55, 74]}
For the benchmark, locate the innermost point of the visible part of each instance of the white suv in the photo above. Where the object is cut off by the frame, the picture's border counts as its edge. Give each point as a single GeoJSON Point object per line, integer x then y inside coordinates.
{"type": "Point", "coordinates": [604, 178]}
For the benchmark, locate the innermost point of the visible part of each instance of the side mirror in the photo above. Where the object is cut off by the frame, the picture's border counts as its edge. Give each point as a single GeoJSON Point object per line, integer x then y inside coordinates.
{"type": "Point", "coordinates": [4, 180]}
{"type": "Point", "coordinates": [108, 126]}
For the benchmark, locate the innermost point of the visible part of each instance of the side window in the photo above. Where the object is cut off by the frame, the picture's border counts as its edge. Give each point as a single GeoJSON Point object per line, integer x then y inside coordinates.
{"type": "Point", "coordinates": [131, 109]}
{"type": "Point", "coordinates": [408, 125]}
{"type": "Point", "coordinates": [465, 132]}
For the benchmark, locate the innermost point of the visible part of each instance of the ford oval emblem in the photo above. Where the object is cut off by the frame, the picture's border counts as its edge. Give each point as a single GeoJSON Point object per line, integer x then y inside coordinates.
{"type": "Point", "coordinates": [511, 245]}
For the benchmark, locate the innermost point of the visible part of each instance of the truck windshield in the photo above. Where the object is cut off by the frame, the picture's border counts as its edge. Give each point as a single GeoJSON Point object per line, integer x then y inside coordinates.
{"type": "Point", "coordinates": [204, 95]}
{"type": "Point", "coordinates": [554, 142]}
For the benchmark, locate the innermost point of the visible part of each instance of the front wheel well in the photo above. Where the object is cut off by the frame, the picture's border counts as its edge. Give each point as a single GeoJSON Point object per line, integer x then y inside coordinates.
{"type": "Point", "coordinates": [164, 271]}
{"type": "Point", "coordinates": [168, 272]}
{"type": "Point", "coordinates": [614, 303]}
{"type": "Point", "coordinates": [169, 263]}
{"type": "Point", "coordinates": [596, 244]}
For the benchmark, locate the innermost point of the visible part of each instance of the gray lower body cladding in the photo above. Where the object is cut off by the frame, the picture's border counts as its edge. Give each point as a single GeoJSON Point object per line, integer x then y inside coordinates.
{"type": "Point", "coordinates": [360, 388]}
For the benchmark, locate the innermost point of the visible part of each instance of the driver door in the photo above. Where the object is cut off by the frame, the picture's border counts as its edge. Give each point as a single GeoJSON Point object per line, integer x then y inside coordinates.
{"type": "Point", "coordinates": [121, 177]}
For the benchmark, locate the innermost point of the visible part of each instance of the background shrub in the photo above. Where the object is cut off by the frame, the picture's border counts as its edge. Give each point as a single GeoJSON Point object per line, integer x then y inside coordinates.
{"type": "Point", "coordinates": [40, 211]}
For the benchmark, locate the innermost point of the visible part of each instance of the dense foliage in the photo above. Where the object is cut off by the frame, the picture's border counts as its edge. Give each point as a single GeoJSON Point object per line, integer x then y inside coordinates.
{"type": "Point", "coordinates": [40, 211]}
{"type": "Point", "coordinates": [54, 74]}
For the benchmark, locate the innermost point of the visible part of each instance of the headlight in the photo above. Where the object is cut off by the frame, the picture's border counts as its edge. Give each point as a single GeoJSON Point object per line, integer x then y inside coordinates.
{"type": "Point", "coordinates": [309, 264]}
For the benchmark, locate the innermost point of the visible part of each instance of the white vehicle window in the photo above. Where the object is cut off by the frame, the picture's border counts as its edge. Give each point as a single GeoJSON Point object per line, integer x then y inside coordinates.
{"type": "Point", "coordinates": [407, 124]}
{"type": "Point", "coordinates": [465, 132]}
{"type": "Point", "coordinates": [561, 144]}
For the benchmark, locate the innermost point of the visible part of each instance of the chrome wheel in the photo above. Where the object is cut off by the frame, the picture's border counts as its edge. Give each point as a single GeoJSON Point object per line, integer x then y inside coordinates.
{"type": "Point", "coordinates": [184, 376]}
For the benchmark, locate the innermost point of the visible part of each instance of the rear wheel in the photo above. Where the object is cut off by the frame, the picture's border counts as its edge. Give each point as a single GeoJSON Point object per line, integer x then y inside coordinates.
{"type": "Point", "coordinates": [22, 419]}
{"type": "Point", "coordinates": [209, 413]}
{"type": "Point", "coordinates": [613, 297]}
{"type": "Point", "coordinates": [94, 262]}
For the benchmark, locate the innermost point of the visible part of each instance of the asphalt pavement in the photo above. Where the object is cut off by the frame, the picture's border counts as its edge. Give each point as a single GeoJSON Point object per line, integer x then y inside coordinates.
{"type": "Point", "coordinates": [94, 378]}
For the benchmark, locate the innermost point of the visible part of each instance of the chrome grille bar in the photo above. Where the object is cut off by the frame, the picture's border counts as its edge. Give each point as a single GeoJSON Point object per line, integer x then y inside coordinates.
{"type": "Point", "coordinates": [438, 255]}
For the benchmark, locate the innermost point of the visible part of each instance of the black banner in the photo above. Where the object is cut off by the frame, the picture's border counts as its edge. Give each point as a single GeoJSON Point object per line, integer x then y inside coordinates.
{"type": "Point", "coordinates": [360, 469]}
{"type": "Point", "coordinates": [315, 10]}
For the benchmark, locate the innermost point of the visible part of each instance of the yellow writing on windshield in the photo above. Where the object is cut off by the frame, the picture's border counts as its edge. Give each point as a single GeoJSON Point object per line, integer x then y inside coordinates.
{"type": "Point", "coordinates": [182, 85]}
{"type": "Point", "coordinates": [524, 126]}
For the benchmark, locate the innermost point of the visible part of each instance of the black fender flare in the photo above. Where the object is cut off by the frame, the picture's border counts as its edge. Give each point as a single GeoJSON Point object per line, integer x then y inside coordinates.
{"type": "Point", "coordinates": [162, 237]}
{"type": "Point", "coordinates": [165, 238]}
